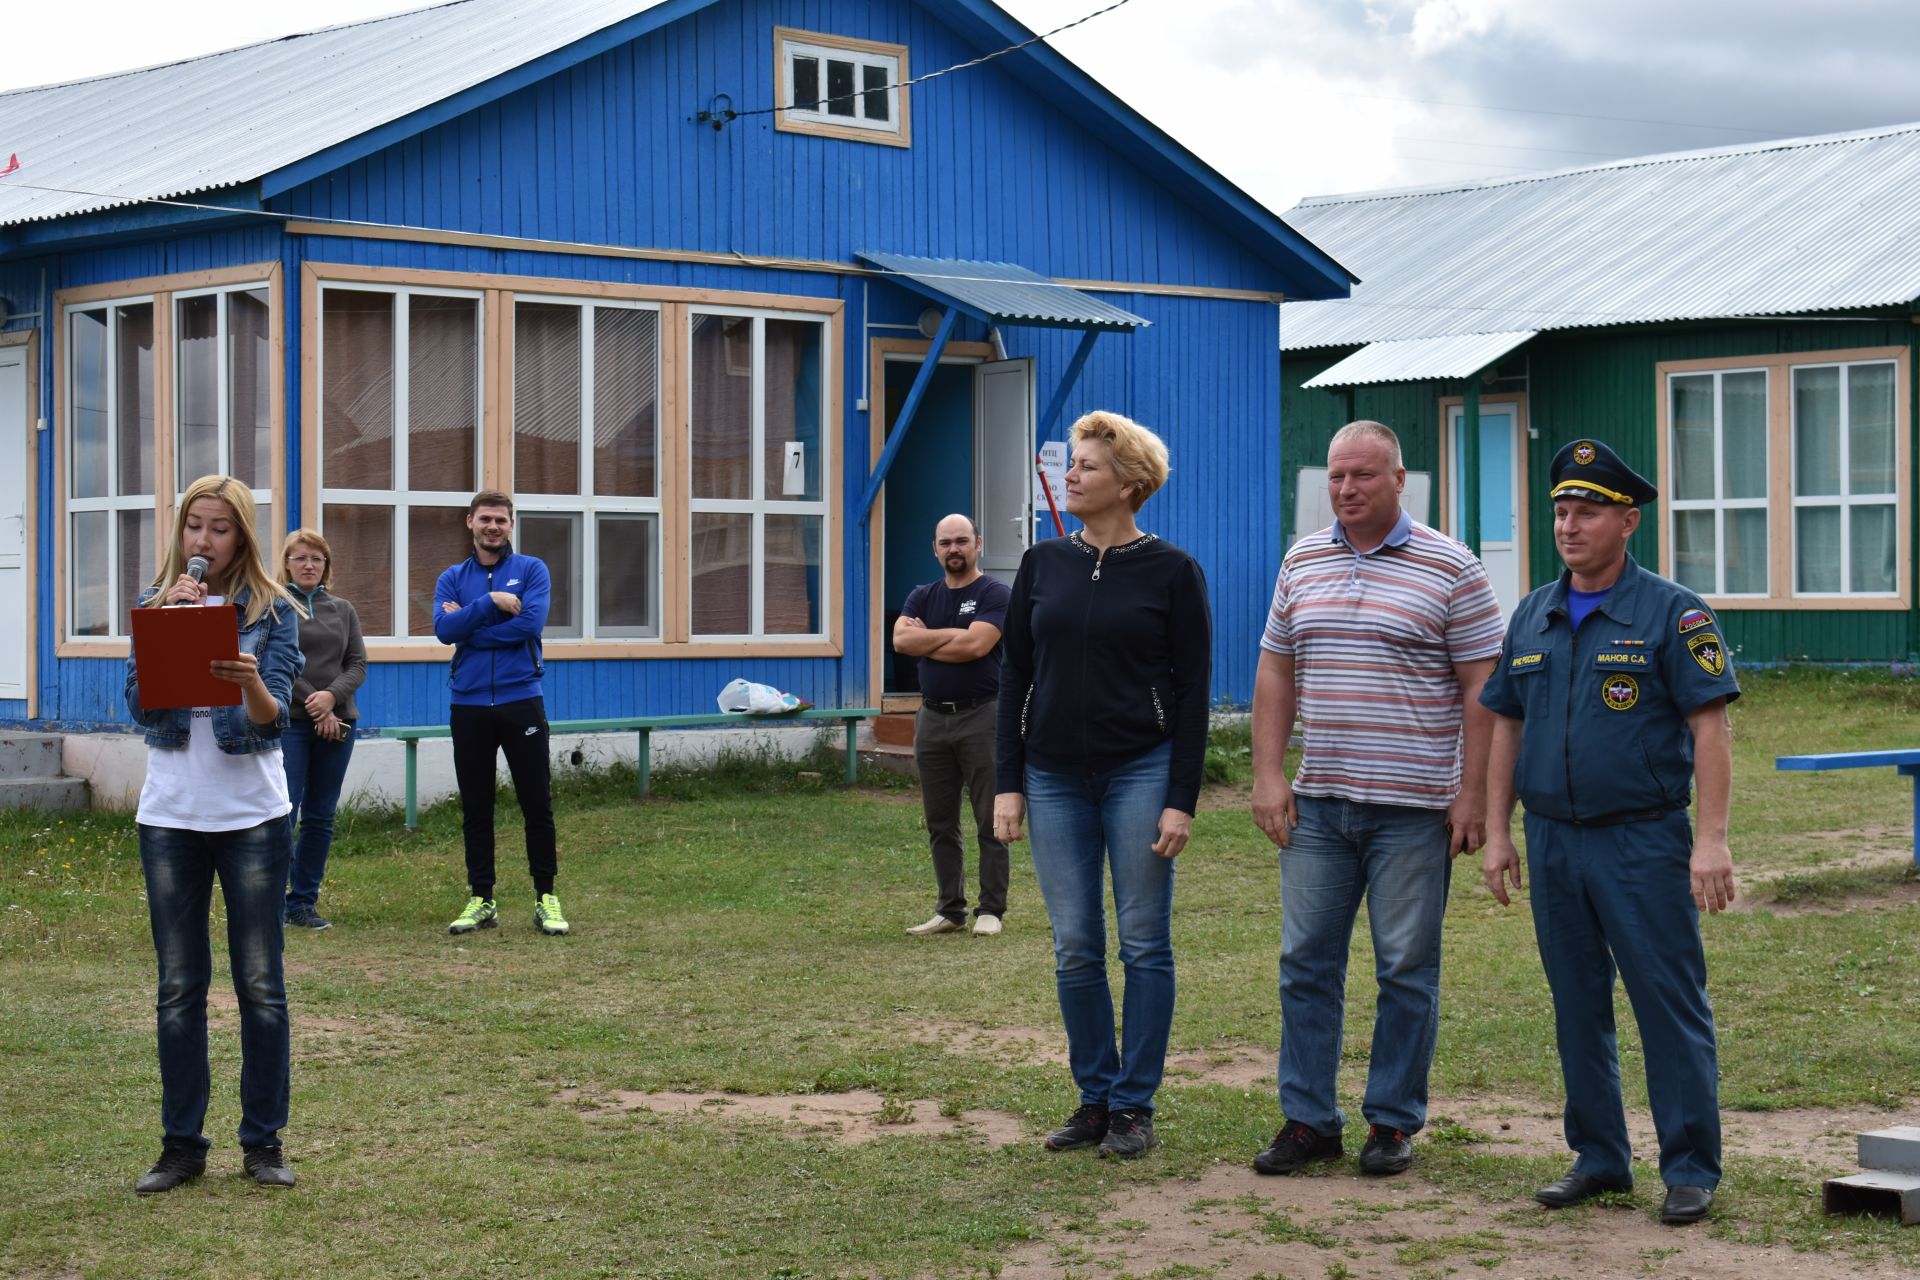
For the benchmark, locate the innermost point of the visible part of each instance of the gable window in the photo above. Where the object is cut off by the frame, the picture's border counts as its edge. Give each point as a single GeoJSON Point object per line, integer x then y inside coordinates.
{"type": "Point", "coordinates": [838, 87]}
{"type": "Point", "coordinates": [1782, 479]}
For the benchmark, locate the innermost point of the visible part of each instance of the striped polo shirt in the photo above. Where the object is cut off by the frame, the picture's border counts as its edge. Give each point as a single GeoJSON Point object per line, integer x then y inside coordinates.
{"type": "Point", "coordinates": [1374, 637]}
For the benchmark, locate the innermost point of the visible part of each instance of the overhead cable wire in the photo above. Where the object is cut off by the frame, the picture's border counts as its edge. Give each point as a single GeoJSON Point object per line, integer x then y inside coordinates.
{"type": "Point", "coordinates": [727, 115]}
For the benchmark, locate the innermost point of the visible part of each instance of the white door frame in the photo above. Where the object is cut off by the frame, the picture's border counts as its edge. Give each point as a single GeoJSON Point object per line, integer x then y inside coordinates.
{"type": "Point", "coordinates": [1452, 408]}
{"type": "Point", "coordinates": [22, 453]}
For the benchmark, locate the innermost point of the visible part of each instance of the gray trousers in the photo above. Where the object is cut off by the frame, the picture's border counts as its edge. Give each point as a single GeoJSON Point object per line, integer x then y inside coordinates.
{"type": "Point", "coordinates": [954, 754]}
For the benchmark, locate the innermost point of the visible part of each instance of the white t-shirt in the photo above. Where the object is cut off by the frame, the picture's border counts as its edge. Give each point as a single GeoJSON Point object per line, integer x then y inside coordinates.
{"type": "Point", "coordinates": [202, 788]}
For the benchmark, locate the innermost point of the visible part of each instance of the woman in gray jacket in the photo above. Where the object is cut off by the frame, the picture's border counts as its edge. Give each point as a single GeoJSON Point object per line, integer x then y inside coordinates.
{"type": "Point", "coordinates": [318, 742]}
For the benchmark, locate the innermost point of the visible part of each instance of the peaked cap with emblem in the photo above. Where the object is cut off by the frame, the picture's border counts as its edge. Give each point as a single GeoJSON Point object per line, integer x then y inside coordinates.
{"type": "Point", "coordinates": [1587, 469]}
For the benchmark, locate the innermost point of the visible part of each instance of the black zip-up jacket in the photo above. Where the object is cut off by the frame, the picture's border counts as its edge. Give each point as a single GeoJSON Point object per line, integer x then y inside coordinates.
{"type": "Point", "coordinates": [1105, 657]}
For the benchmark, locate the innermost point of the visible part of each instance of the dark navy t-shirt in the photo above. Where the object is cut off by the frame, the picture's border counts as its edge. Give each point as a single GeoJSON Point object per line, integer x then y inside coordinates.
{"type": "Point", "coordinates": [985, 599]}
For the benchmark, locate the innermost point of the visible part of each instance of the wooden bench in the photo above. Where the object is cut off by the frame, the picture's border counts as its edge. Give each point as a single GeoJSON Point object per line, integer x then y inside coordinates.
{"type": "Point", "coordinates": [1906, 763]}
{"type": "Point", "coordinates": [642, 725]}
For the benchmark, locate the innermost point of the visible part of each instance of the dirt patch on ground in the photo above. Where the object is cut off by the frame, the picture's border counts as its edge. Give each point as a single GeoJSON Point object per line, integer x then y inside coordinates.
{"type": "Point", "coordinates": [1820, 1137]}
{"type": "Point", "coordinates": [856, 1116]}
{"type": "Point", "coordinates": [1224, 796]}
{"type": "Point", "coordinates": [1234, 1066]}
{"type": "Point", "coordinates": [1758, 889]}
{"type": "Point", "coordinates": [1232, 1224]}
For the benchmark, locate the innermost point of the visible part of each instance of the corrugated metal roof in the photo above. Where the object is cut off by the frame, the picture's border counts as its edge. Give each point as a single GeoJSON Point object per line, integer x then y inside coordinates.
{"type": "Point", "coordinates": [229, 118]}
{"type": "Point", "coordinates": [1793, 226]}
{"type": "Point", "coordinates": [1413, 359]}
{"type": "Point", "coordinates": [1003, 292]}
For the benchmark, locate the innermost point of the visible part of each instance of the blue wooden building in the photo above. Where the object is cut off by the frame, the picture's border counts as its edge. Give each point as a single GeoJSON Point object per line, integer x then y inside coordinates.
{"type": "Point", "coordinates": [731, 309]}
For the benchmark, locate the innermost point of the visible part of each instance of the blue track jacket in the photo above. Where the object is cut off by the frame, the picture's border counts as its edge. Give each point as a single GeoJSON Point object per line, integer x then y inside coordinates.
{"type": "Point", "coordinates": [496, 658]}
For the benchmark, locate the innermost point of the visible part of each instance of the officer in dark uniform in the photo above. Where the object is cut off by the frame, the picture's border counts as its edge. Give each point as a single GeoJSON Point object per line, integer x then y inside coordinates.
{"type": "Point", "coordinates": [1611, 693]}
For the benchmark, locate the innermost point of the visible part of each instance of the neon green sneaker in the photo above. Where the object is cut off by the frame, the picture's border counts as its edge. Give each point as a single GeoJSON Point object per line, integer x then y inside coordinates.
{"type": "Point", "coordinates": [547, 914]}
{"type": "Point", "coordinates": [479, 913]}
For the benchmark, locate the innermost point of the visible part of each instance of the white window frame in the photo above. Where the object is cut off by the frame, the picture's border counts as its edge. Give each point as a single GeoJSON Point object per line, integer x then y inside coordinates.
{"type": "Point", "coordinates": [115, 502]}
{"type": "Point", "coordinates": [759, 506]}
{"type": "Point", "coordinates": [889, 59]}
{"type": "Point", "coordinates": [223, 429]}
{"type": "Point", "coordinates": [586, 505]}
{"type": "Point", "coordinates": [1719, 504]}
{"type": "Point", "coordinates": [401, 499]}
{"type": "Point", "coordinates": [1844, 501]}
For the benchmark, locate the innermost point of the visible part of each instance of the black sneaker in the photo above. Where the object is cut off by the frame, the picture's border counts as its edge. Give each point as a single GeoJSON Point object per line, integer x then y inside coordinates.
{"type": "Point", "coordinates": [308, 918]}
{"type": "Point", "coordinates": [175, 1166]}
{"type": "Point", "coordinates": [1085, 1128]}
{"type": "Point", "coordinates": [1387, 1151]}
{"type": "Point", "coordinates": [1295, 1147]}
{"type": "Point", "coordinates": [1129, 1134]}
{"type": "Point", "coordinates": [268, 1167]}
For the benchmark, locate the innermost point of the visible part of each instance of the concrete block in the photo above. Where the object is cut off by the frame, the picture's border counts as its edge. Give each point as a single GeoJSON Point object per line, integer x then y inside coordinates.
{"type": "Point", "coordinates": [51, 795]}
{"type": "Point", "coordinates": [29, 755]}
{"type": "Point", "coordinates": [1884, 1195]}
{"type": "Point", "coordinates": [1897, 1149]}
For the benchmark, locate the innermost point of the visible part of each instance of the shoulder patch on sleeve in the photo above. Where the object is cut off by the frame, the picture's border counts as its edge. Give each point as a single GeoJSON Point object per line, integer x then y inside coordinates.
{"type": "Point", "coordinates": [1708, 652]}
{"type": "Point", "coordinates": [1694, 619]}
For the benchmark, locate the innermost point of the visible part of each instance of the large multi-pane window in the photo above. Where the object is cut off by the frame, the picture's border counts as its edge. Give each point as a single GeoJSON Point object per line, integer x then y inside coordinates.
{"type": "Point", "coordinates": [111, 446]}
{"type": "Point", "coordinates": [399, 445]}
{"type": "Point", "coordinates": [1719, 501]}
{"type": "Point", "coordinates": [1783, 478]}
{"type": "Point", "coordinates": [757, 515]}
{"type": "Point", "coordinates": [1845, 486]}
{"type": "Point", "coordinates": [586, 460]}
{"type": "Point", "coordinates": [171, 380]}
{"type": "Point", "coordinates": [223, 392]}
{"type": "Point", "coordinates": [668, 455]}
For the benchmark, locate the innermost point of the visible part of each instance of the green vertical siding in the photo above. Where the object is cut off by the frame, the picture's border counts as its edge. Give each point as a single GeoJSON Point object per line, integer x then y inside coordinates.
{"type": "Point", "coordinates": [1602, 384]}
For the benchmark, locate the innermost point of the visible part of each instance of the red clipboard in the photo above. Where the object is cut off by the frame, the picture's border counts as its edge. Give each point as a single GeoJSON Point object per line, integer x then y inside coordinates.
{"type": "Point", "coordinates": [172, 650]}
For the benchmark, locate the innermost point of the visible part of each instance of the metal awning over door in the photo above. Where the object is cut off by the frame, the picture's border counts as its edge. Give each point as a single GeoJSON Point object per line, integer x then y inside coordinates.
{"type": "Point", "coordinates": [995, 293]}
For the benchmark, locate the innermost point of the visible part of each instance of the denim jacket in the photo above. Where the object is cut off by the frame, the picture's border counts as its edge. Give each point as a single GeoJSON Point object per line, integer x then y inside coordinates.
{"type": "Point", "coordinates": [274, 641]}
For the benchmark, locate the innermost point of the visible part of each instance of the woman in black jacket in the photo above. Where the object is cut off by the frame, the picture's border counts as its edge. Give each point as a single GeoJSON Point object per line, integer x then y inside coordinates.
{"type": "Point", "coordinates": [1101, 745]}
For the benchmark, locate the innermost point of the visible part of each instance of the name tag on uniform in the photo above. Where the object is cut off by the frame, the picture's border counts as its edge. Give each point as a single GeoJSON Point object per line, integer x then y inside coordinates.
{"type": "Point", "coordinates": [1526, 663]}
{"type": "Point", "coordinates": [1611, 661]}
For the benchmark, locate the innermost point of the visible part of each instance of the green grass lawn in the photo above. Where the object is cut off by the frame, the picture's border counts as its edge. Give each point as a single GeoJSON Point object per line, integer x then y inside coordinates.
{"type": "Point", "coordinates": [743, 932]}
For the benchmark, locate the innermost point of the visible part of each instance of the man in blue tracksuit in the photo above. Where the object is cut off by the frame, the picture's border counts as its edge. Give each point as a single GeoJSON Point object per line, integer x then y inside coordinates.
{"type": "Point", "coordinates": [1610, 700]}
{"type": "Point", "coordinates": [491, 607]}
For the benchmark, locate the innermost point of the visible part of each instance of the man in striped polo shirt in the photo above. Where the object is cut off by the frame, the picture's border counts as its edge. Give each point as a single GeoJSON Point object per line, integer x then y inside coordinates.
{"type": "Point", "coordinates": [1381, 634]}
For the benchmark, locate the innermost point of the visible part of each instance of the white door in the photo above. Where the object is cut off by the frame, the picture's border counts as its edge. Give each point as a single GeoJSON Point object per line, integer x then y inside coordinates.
{"type": "Point", "coordinates": [16, 627]}
{"type": "Point", "coordinates": [1501, 454]}
{"type": "Point", "coordinates": [1004, 473]}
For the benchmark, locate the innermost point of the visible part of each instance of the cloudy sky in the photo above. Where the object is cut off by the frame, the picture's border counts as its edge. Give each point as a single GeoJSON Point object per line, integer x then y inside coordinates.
{"type": "Point", "coordinates": [1297, 97]}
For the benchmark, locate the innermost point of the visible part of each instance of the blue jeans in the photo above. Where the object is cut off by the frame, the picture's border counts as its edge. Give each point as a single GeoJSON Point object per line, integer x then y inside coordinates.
{"type": "Point", "coordinates": [252, 866]}
{"type": "Point", "coordinates": [1396, 858]}
{"type": "Point", "coordinates": [1082, 824]}
{"type": "Point", "coordinates": [316, 768]}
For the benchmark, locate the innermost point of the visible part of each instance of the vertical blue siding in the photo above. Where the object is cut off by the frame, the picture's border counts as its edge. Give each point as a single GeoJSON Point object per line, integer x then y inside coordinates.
{"type": "Point", "coordinates": [606, 153]}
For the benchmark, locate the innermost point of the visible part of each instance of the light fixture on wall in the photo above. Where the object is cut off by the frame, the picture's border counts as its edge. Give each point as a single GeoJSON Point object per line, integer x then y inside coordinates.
{"type": "Point", "coordinates": [930, 318]}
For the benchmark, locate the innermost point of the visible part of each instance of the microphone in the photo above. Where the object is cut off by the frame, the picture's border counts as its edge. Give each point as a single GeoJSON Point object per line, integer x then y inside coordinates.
{"type": "Point", "coordinates": [197, 567]}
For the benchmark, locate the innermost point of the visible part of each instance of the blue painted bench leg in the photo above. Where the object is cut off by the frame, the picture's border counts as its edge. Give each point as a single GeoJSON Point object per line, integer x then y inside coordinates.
{"type": "Point", "coordinates": [644, 765]}
{"type": "Point", "coordinates": [1913, 771]}
{"type": "Point", "coordinates": [413, 784]}
{"type": "Point", "coordinates": [853, 754]}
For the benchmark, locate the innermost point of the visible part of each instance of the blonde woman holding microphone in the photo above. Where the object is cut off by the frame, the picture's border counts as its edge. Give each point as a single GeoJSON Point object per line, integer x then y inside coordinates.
{"type": "Point", "coordinates": [215, 805]}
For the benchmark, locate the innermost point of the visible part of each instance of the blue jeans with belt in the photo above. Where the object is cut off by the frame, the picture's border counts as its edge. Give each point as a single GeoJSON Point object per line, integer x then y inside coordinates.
{"type": "Point", "coordinates": [1083, 825]}
{"type": "Point", "coordinates": [1395, 858]}
{"type": "Point", "coordinates": [316, 770]}
{"type": "Point", "coordinates": [180, 867]}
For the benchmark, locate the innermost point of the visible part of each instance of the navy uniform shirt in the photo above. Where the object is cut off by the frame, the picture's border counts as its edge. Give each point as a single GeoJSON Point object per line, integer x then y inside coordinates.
{"type": "Point", "coordinates": [1604, 710]}
{"type": "Point", "coordinates": [985, 599]}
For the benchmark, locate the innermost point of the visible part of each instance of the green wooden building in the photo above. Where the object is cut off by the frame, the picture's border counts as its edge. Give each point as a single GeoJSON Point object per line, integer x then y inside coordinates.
{"type": "Point", "coordinates": [1741, 324]}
